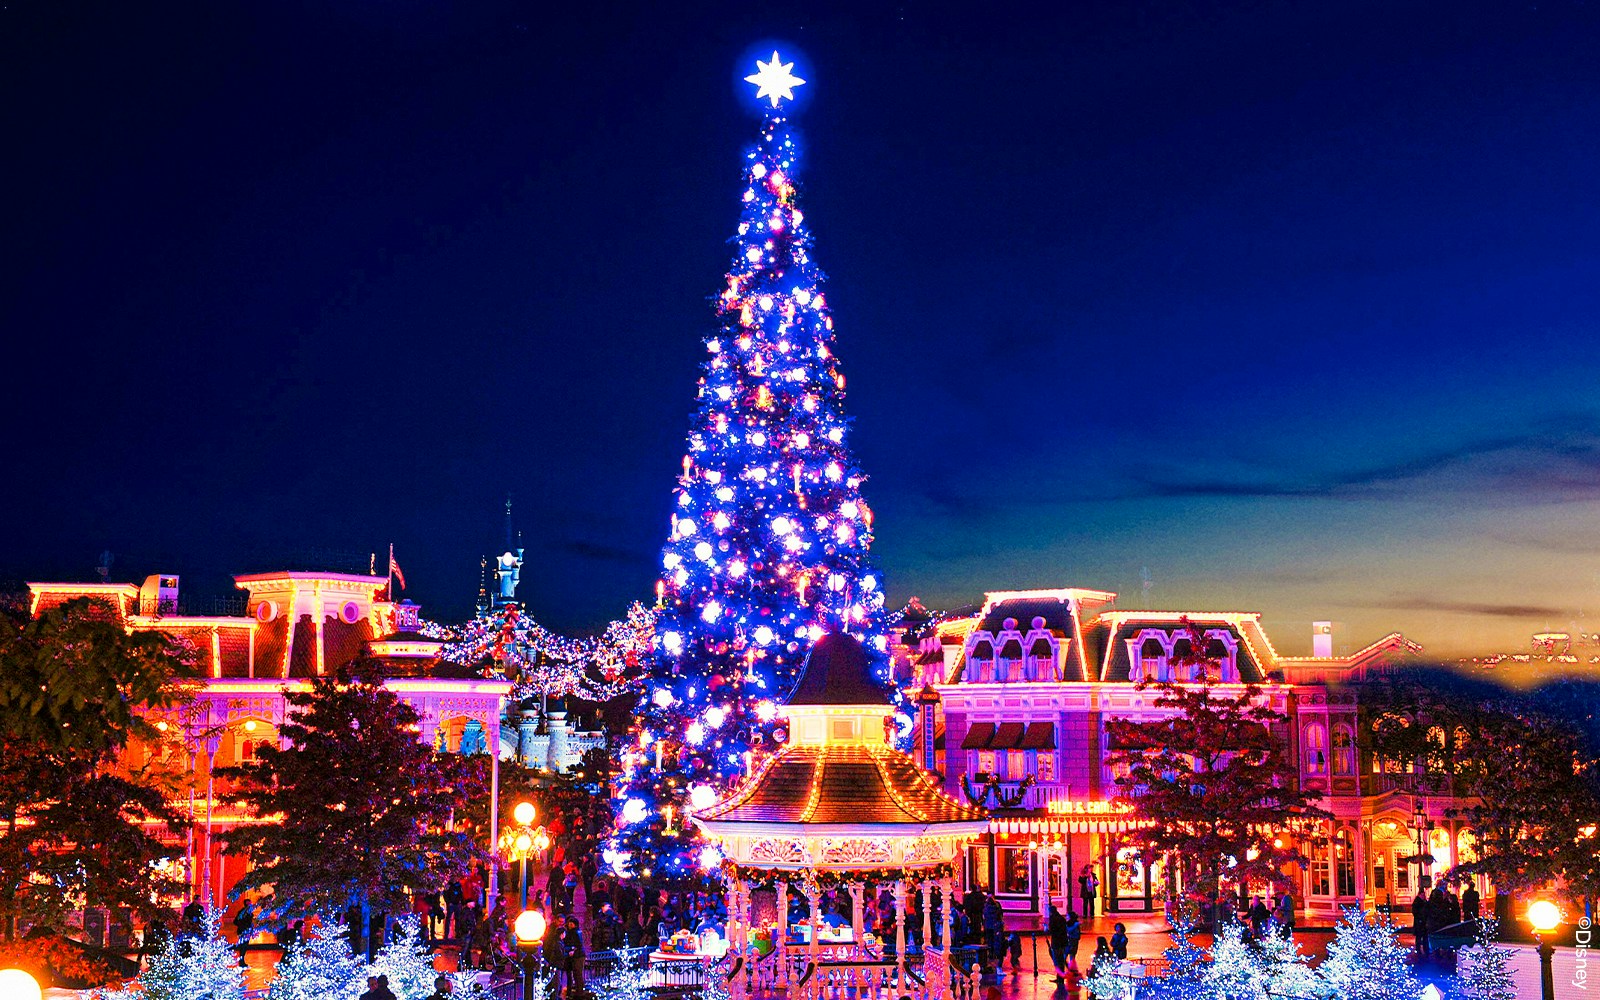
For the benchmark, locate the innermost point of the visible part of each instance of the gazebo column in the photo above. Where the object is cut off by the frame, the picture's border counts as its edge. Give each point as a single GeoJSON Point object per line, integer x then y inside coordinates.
{"type": "Point", "coordinates": [814, 898]}
{"type": "Point", "coordinates": [857, 892]}
{"type": "Point", "coordinates": [739, 934]}
{"type": "Point", "coordinates": [947, 888]}
{"type": "Point", "coordinates": [900, 926]}
{"type": "Point", "coordinates": [782, 944]}
{"type": "Point", "coordinates": [927, 917]}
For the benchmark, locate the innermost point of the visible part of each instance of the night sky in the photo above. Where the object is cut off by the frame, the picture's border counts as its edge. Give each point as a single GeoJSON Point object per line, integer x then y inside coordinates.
{"type": "Point", "coordinates": [1293, 305]}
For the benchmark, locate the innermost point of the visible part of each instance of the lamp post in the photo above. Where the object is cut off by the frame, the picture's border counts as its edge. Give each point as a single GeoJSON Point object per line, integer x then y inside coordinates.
{"type": "Point", "coordinates": [529, 929]}
{"type": "Point", "coordinates": [1423, 826]}
{"type": "Point", "coordinates": [16, 984]}
{"type": "Point", "coordinates": [1545, 917]}
{"type": "Point", "coordinates": [525, 839]}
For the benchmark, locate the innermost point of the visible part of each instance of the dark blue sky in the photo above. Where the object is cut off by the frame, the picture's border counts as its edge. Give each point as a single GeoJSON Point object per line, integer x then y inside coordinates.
{"type": "Point", "coordinates": [1293, 304]}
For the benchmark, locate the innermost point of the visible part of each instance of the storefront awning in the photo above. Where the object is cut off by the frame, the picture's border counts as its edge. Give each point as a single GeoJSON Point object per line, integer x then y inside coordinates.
{"type": "Point", "coordinates": [1040, 736]}
{"type": "Point", "coordinates": [1007, 736]}
{"type": "Point", "coordinates": [978, 736]}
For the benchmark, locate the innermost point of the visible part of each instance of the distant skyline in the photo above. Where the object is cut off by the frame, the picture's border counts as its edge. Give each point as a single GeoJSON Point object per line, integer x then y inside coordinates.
{"type": "Point", "coordinates": [1295, 307]}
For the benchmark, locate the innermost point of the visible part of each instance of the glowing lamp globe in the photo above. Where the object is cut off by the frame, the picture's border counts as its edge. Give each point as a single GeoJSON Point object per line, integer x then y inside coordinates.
{"type": "Point", "coordinates": [522, 844]}
{"type": "Point", "coordinates": [529, 927]}
{"type": "Point", "coordinates": [541, 840]}
{"type": "Point", "coordinates": [18, 985]}
{"type": "Point", "coordinates": [523, 813]}
{"type": "Point", "coordinates": [1544, 915]}
{"type": "Point", "coordinates": [701, 796]}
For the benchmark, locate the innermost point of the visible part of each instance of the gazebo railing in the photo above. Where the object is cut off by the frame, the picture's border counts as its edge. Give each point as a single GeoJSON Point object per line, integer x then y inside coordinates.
{"type": "Point", "coordinates": [865, 980]}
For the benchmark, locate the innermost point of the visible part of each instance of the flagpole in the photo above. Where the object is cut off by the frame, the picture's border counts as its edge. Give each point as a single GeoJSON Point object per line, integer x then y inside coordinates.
{"type": "Point", "coordinates": [389, 586]}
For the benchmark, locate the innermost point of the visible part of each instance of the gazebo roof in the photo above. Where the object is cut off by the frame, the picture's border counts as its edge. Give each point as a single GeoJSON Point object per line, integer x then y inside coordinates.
{"type": "Point", "coordinates": [849, 784]}
{"type": "Point", "coordinates": [838, 671]}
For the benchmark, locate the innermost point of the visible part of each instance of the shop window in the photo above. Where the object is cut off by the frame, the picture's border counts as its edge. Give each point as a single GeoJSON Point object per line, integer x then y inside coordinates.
{"type": "Point", "coordinates": [1129, 874]}
{"type": "Point", "coordinates": [1320, 885]}
{"type": "Point", "coordinates": [1016, 877]}
{"type": "Point", "coordinates": [1344, 864]}
{"type": "Point", "coordinates": [1380, 874]}
{"type": "Point", "coordinates": [978, 868]}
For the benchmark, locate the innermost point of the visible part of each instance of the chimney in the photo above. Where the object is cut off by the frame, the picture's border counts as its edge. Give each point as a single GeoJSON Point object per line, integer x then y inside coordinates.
{"type": "Point", "coordinates": [1322, 640]}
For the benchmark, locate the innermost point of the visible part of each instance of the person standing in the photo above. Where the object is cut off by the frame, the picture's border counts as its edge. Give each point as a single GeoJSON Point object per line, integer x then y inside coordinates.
{"type": "Point", "coordinates": [1088, 889]}
{"type": "Point", "coordinates": [1056, 928]}
{"type": "Point", "coordinates": [1259, 915]}
{"type": "Point", "coordinates": [1419, 922]}
{"type": "Point", "coordinates": [243, 921]}
{"type": "Point", "coordinates": [1470, 903]}
{"type": "Point", "coordinates": [1119, 942]}
{"type": "Point", "coordinates": [1285, 916]}
{"type": "Point", "coordinates": [994, 931]}
{"type": "Point", "coordinates": [1074, 939]}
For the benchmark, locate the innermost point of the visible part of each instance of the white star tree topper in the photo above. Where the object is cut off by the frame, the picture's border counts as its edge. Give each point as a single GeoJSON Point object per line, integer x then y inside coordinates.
{"type": "Point", "coordinates": [773, 79]}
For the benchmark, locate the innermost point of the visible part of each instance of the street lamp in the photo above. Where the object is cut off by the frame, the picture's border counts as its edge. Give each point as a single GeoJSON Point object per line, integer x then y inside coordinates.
{"type": "Point", "coordinates": [529, 928]}
{"type": "Point", "coordinates": [1424, 829]}
{"type": "Point", "coordinates": [16, 984]}
{"type": "Point", "coordinates": [1545, 917]}
{"type": "Point", "coordinates": [523, 813]}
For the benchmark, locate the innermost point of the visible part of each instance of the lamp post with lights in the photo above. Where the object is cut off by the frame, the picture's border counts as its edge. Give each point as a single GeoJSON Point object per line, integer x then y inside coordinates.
{"type": "Point", "coordinates": [1423, 825]}
{"type": "Point", "coordinates": [15, 984]}
{"type": "Point", "coordinates": [522, 840]}
{"type": "Point", "coordinates": [1545, 917]}
{"type": "Point", "coordinates": [529, 929]}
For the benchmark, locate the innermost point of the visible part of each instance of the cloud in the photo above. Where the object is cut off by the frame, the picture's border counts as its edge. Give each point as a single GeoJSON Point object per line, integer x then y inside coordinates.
{"type": "Point", "coordinates": [599, 551]}
{"type": "Point", "coordinates": [1548, 465]}
{"type": "Point", "coordinates": [1416, 603]}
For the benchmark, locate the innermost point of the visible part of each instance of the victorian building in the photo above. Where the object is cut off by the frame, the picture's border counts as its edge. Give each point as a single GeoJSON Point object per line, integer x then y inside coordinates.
{"type": "Point", "coordinates": [1013, 704]}
{"type": "Point", "coordinates": [295, 626]}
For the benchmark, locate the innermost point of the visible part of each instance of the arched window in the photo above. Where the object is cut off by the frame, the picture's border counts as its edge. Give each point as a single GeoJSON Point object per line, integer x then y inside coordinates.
{"type": "Point", "coordinates": [1344, 862]}
{"type": "Point", "coordinates": [981, 668]}
{"type": "Point", "coordinates": [1433, 760]}
{"type": "Point", "coordinates": [1344, 751]}
{"type": "Point", "coordinates": [1010, 666]}
{"type": "Point", "coordinates": [1316, 749]}
{"type": "Point", "coordinates": [1153, 660]}
{"type": "Point", "coordinates": [1042, 661]}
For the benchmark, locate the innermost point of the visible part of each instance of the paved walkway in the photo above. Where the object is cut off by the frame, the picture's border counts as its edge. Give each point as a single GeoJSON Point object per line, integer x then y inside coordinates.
{"type": "Point", "coordinates": [1147, 938]}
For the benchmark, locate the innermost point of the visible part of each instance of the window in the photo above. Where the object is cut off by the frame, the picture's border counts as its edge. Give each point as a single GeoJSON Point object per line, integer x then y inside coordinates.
{"type": "Point", "coordinates": [1344, 751]}
{"type": "Point", "coordinates": [1047, 766]}
{"type": "Point", "coordinates": [1319, 870]}
{"type": "Point", "coordinates": [978, 868]}
{"type": "Point", "coordinates": [1016, 878]}
{"type": "Point", "coordinates": [1344, 863]}
{"type": "Point", "coordinates": [1152, 660]}
{"type": "Point", "coordinates": [1380, 873]}
{"type": "Point", "coordinates": [1316, 749]}
{"type": "Point", "coordinates": [986, 762]}
{"type": "Point", "coordinates": [1042, 665]}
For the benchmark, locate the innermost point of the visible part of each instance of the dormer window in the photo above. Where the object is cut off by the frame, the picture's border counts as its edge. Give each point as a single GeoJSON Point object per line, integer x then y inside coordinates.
{"type": "Point", "coordinates": [1009, 667]}
{"type": "Point", "coordinates": [981, 669]}
{"type": "Point", "coordinates": [1041, 661]}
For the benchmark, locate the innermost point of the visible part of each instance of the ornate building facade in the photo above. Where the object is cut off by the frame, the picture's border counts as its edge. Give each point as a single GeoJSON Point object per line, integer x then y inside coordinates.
{"type": "Point", "coordinates": [1013, 703]}
{"type": "Point", "coordinates": [296, 626]}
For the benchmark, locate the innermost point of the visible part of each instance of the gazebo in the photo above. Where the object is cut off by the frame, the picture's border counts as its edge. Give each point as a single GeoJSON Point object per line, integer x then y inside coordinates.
{"type": "Point", "coordinates": [837, 805]}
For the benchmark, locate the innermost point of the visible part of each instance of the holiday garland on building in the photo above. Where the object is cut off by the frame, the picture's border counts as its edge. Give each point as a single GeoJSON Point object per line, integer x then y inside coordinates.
{"type": "Point", "coordinates": [507, 642]}
{"type": "Point", "coordinates": [769, 535]}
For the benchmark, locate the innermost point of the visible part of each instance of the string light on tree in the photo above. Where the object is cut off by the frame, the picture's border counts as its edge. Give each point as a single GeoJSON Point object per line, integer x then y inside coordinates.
{"type": "Point", "coordinates": [768, 536]}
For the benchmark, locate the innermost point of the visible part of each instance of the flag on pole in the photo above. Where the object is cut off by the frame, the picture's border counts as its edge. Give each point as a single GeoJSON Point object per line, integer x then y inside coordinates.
{"type": "Point", "coordinates": [394, 568]}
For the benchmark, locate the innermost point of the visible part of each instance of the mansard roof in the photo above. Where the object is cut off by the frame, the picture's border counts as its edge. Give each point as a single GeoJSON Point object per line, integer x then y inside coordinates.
{"type": "Point", "coordinates": [1108, 635]}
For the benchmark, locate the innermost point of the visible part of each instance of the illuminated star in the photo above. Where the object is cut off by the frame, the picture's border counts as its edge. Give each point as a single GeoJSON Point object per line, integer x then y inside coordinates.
{"type": "Point", "coordinates": [773, 79]}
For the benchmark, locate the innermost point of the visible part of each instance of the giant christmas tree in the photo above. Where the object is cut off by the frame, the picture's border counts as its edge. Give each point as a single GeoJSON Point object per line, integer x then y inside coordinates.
{"type": "Point", "coordinates": [768, 537]}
